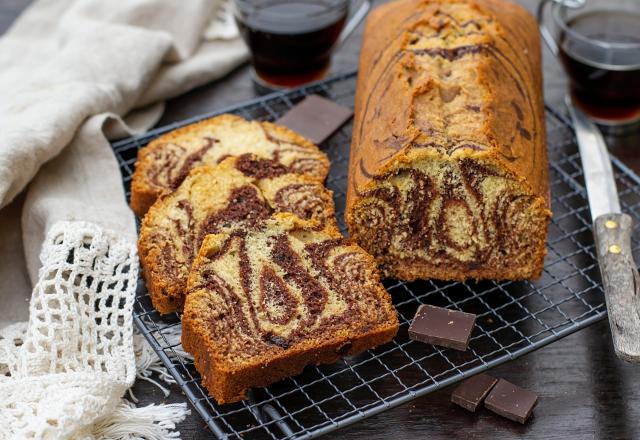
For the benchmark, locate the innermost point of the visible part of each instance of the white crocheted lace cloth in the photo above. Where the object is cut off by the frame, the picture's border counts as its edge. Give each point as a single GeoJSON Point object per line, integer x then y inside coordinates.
{"type": "Point", "coordinates": [64, 374]}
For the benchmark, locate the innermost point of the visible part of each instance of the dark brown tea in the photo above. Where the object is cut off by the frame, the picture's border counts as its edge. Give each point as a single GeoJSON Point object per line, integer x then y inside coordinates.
{"type": "Point", "coordinates": [291, 41]}
{"type": "Point", "coordinates": [603, 63]}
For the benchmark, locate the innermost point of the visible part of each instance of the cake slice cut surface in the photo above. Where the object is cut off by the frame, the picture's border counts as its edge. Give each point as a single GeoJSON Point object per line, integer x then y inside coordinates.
{"type": "Point", "coordinates": [243, 190]}
{"type": "Point", "coordinates": [263, 303]}
{"type": "Point", "coordinates": [166, 161]}
{"type": "Point", "coordinates": [451, 218]}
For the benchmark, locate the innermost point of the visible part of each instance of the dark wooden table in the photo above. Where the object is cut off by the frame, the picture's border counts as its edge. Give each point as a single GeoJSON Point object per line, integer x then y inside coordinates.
{"type": "Point", "coordinates": [585, 391]}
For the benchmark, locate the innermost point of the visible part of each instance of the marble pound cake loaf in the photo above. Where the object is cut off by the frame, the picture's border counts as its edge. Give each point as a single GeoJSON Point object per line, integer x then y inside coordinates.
{"type": "Point", "coordinates": [448, 167]}
{"type": "Point", "coordinates": [263, 303]}
{"type": "Point", "coordinates": [166, 161]}
{"type": "Point", "coordinates": [242, 190]}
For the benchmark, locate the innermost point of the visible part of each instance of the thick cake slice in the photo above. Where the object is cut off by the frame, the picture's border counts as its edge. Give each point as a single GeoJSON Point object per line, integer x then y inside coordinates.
{"type": "Point", "coordinates": [265, 302]}
{"type": "Point", "coordinates": [165, 162]}
{"type": "Point", "coordinates": [240, 190]}
{"type": "Point", "coordinates": [448, 167]}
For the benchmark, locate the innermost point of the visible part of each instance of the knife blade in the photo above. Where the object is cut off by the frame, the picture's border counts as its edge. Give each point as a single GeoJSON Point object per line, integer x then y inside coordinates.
{"type": "Point", "coordinates": [612, 234]}
{"type": "Point", "coordinates": [598, 173]}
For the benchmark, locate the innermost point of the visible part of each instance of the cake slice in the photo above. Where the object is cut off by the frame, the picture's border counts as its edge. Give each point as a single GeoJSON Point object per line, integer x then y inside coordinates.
{"type": "Point", "coordinates": [166, 161]}
{"type": "Point", "coordinates": [264, 302]}
{"type": "Point", "coordinates": [241, 190]}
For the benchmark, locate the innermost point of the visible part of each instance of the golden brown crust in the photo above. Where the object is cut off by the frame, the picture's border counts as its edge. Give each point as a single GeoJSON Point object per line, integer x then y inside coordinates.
{"type": "Point", "coordinates": [142, 196]}
{"type": "Point", "coordinates": [163, 163]}
{"type": "Point", "coordinates": [230, 385]}
{"type": "Point", "coordinates": [384, 99]}
{"type": "Point", "coordinates": [172, 230]}
{"type": "Point", "coordinates": [451, 82]}
{"type": "Point", "coordinates": [228, 342]}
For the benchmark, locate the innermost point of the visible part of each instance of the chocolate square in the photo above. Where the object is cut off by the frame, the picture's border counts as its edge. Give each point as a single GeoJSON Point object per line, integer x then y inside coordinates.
{"type": "Point", "coordinates": [439, 326]}
{"type": "Point", "coordinates": [316, 118]}
{"type": "Point", "coordinates": [511, 401]}
{"type": "Point", "coordinates": [471, 393]}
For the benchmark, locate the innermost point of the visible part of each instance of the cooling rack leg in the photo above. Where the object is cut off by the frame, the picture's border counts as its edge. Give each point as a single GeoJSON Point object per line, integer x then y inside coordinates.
{"type": "Point", "coordinates": [270, 412]}
{"type": "Point", "coordinates": [275, 415]}
{"type": "Point", "coordinates": [253, 406]}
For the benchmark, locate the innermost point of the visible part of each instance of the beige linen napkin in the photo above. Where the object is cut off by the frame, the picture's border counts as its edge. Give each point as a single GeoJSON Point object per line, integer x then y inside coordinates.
{"type": "Point", "coordinates": [71, 70]}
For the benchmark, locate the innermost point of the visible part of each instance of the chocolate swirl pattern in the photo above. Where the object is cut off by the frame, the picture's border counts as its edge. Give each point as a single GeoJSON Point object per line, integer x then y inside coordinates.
{"type": "Point", "coordinates": [448, 167]}
{"type": "Point", "coordinates": [239, 192]}
{"type": "Point", "coordinates": [270, 300]}
{"type": "Point", "coordinates": [166, 161]}
{"type": "Point", "coordinates": [451, 220]}
{"type": "Point", "coordinates": [303, 200]}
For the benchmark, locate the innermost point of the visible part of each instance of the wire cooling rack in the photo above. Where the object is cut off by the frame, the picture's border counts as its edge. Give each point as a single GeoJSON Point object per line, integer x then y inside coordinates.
{"type": "Point", "coordinates": [514, 318]}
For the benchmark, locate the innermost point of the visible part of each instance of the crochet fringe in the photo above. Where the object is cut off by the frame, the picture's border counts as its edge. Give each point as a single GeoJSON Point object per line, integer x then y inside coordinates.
{"type": "Point", "coordinates": [152, 422]}
{"type": "Point", "coordinates": [148, 363]}
{"type": "Point", "coordinates": [127, 422]}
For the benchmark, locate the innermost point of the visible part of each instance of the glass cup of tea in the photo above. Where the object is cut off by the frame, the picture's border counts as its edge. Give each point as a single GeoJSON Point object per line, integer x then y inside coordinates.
{"type": "Point", "coordinates": [598, 43]}
{"type": "Point", "coordinates": [291, 41]}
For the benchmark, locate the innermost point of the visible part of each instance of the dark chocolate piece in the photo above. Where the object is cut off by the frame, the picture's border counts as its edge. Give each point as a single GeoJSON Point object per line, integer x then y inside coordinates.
{"type": "Point", "coordinates": [438, 326]}
{"type": "Point", "coordinates": [471, 393]}
{"type": "Point", "coordinates": [316, 118]}
{"type": "Point", "coordinates": [511, 401]}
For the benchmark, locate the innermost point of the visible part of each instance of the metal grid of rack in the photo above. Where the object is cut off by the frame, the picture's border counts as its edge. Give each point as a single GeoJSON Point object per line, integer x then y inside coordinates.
{"type": "Point", "coordinates": [514, 318]}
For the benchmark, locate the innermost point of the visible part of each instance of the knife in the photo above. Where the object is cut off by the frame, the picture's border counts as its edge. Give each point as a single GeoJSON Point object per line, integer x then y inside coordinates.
{"type": "Point", "coordinates": [612, 233]}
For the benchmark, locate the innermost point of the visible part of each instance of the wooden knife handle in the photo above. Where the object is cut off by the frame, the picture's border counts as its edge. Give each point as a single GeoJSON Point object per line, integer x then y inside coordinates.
{"type": "Point", "coordinates": [621, 283]}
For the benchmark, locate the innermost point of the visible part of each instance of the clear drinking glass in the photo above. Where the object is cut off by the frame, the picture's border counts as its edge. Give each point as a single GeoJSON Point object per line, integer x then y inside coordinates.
{"type": "Point", "coordinates": [598, 43]}
{"type": "Point", "coordinates": [291, 41]}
